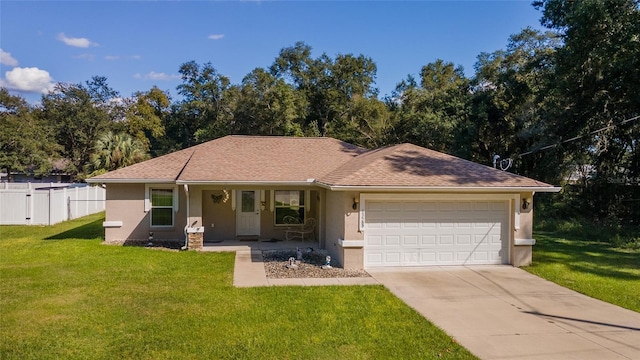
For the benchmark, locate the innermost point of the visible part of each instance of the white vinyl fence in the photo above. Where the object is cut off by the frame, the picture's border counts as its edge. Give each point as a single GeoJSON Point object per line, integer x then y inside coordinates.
{"type": "Point", "coordinates": [47, 204]}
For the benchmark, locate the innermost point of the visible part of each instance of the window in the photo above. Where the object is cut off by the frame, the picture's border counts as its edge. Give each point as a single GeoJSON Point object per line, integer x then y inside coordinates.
{"type": "Point", "coordinates": [161, 207]}
{"type": "Point", "coordinates": [289, 203]}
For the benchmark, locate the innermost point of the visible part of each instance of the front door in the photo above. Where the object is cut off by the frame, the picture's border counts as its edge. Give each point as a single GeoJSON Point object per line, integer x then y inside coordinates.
{"type": "Point", "coordinates": [247, 213]}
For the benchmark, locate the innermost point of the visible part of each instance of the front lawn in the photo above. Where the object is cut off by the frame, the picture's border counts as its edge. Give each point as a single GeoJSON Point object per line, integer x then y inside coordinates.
{"type": "Point", "coordinates": [596, 269]}
{"type": "Point", "coordinates": [65, 295]}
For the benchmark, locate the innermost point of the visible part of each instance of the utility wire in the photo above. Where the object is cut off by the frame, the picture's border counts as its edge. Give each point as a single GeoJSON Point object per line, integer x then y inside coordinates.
{"type": "Point", "coordinates": [579, 136]}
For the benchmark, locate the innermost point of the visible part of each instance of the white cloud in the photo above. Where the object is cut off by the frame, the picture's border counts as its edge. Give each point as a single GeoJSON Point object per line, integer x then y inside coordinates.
{"type": "Point", "coordinates": [30, 79]}
{"type": "Point", "coordinates": [156, 76]}
{"type": "Point", "coordinates": [7, 59]}
{"type": "Point", "coordinates": [118, 57]}
{"type": "Point", "coordinates": [85, 56]}
{"type": "Point", "coordinates": [76, 42]}
{"type": "Point", "coordinates": [216, 36]}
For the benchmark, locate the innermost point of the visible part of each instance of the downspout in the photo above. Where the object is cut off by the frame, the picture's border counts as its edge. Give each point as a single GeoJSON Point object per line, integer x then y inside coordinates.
{"type": "Point", "coordinates": [186, 226]}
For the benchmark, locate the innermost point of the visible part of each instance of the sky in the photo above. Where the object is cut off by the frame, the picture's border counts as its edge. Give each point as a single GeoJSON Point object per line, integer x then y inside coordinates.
{"type": "Point", "coordinates": [139, 44]}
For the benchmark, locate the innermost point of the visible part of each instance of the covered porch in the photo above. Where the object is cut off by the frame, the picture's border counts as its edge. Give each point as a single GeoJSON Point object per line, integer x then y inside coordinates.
{"type": "Point", "coordinates": [254, 217]}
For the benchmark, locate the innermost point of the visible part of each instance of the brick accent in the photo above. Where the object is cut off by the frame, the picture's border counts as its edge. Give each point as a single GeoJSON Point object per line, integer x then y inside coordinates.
{"type": "Point", "coordinates": [196, 240]}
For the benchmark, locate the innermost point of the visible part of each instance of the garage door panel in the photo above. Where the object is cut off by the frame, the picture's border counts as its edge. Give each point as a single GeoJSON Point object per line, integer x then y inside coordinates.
{"type": "Point", "coordinates": [410, 240]}
{"type": "Point", "coordinates": [446, 225]}
{"type": "Point", "coordinates": [463, 240]}
{"type": "Point", "coordinates": [411, 224]}
{"type": "Point", "coordinates": [498, 206]}
{"type": "Point", "coordinates": [446, 206]}
{"type": "Point", "coordinates": [427, 240]}
{"type": "Point", "coordinates": [391, 225]}
{"type": "Point", "coordinates": [445, 257]}
{"type": "Point", "coordinates": [374, 240]}
{"type": "Point", "coordinates": [411, 257]}
{"type": "Point", "coordinates": [480, 206]}
{"type": "Point", "coordinates": [392, 258]}
{"type": "Point", "coordinates": [446, 240]}
{"type": "Point", "coordinates": [392, 240]}
{"type": "Point", "coordinates": [463, 256]}
{"type": "Point", "coordinates": [496, 239]}
{"type": "Point", "coordinates": [374, 258]}
{"type": "Point", "coordinates": [434, 233]}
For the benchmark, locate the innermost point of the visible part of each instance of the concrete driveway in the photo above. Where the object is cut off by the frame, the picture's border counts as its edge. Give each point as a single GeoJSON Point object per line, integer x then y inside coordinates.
{"type": "Point", "coordinates": [501, 312]}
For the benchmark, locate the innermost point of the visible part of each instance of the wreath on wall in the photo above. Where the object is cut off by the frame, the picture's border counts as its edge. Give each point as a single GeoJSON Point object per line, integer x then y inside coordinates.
{"type": "Point", "coordinates": [218, 198]}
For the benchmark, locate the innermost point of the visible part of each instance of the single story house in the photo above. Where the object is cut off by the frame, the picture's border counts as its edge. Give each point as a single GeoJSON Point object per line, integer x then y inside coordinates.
{"type": "Point", "coordinates": [401, 205]}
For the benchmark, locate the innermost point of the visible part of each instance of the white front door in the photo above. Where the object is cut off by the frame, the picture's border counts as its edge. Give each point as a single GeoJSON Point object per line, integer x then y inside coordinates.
{"type": "Point", "coordinates": [247, 213]}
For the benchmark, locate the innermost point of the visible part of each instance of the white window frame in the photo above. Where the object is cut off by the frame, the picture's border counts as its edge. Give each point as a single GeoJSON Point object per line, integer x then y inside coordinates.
{"type": "Point", "coordinates": [275, 207]}
{"type": "Point", "coordinates": [148, 206]}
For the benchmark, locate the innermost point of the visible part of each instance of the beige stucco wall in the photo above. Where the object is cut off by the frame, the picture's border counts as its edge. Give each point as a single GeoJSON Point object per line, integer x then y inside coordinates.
{"type": "Point", "coordinates": [522, 254]}
{"type": "Point", "coordinates": [342, 223]}
{"type": "Point", "coordinates": [334, 213]}
{"type": "Point", "coordinates": [125, 203]}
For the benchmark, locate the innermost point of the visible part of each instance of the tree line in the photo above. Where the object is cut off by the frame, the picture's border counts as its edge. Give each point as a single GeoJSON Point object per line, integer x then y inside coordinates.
{"type": "Point", "coordinates": [556, 102]}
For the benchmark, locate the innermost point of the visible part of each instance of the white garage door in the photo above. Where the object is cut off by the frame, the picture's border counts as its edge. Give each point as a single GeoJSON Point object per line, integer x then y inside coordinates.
{"type": "Point", "coordinates": [435, 233]}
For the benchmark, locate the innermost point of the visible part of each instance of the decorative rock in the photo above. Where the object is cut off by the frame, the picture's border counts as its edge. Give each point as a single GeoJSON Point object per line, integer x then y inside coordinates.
{"type": "Point", "coordinates": [276, 261]}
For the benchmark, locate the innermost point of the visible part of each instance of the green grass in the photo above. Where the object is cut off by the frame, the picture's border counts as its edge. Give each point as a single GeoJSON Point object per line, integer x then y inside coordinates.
{"type": "Point", "coordinates": [596, 269]}
{"type": "Point", "coordinates": [65, 295]}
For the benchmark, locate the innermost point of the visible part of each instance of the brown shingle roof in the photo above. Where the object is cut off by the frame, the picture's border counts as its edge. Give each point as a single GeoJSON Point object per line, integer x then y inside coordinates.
{"type": "Point", "coordinates": [244, 158]}
{"type": "Point", "coordinates": [411, 165]}
{"type": "Point", "coordinates": [164, 168]}
{"type": "Point", "coordinates": [267, 158]}
{"type": "Point", "coordinates": [332, 162]}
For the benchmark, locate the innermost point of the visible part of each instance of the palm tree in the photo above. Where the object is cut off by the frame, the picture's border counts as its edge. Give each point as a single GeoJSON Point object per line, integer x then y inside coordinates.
{"type": "Point", "coordinates": [115, 151]}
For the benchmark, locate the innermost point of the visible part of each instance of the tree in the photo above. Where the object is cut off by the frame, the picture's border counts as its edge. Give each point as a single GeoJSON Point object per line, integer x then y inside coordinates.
{"type": "Point", "coordinates": [78, 114]}
{"type": "Point", "coordinates": [329, 86]}
{"type": "Point", "coordinates": [267, 106]}
{"type": "Point", "coordinates": [596, 87]}
{"type": "Point", "coordinates": [115, 151]}
{"type": "Point", "coordinates": [508, 101]}
{"type": "Point", "coordinates": [428, 113]}
{"type": "Point", "coordinates": [366, 123]}
{"type": "Point", "coordinates": [25, 144]}
{"type": "Point", "coordinates": [145, 117]}
{"type": "Point", "coordinates": [206, 111]}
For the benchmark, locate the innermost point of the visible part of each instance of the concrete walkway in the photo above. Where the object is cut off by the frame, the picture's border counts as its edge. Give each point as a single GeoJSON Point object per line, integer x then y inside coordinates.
{"type": "Point", "coordinates": [249, 266]}
{"type": "Point", "coordinates": [501, 312]}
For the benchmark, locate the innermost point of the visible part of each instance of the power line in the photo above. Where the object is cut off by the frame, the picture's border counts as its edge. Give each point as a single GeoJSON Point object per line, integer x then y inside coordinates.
{"type": "Point", "coordinates": [579, 136]}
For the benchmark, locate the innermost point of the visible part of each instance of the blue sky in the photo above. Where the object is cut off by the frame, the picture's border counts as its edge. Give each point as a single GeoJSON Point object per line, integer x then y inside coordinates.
{"type": "Point", "coordinates": [140, 44]}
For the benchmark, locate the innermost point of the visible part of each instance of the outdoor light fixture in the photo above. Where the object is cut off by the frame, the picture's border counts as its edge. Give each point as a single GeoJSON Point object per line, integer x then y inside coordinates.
{"type": "Point", "coordinates": [526, 203]}
{"type": "Point", "coordinates": [355, 203]}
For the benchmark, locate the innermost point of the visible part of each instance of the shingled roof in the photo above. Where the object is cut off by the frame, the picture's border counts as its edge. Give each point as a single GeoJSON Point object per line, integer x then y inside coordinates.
{"type": "Point", "coordinates": [237, 158]}
{"type": "Point", "coordinates": [324, 161]}
{"type": "Point", "coordinates": [415, 166]}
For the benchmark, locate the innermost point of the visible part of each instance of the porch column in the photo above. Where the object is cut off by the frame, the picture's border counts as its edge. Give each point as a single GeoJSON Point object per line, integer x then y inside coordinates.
{"type": "Point", "coordinates": [195, 237]}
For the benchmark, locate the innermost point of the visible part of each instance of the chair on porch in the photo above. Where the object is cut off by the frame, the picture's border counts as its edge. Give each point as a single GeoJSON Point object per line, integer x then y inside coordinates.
{"type": "Point", "coordinates": [299, 230]}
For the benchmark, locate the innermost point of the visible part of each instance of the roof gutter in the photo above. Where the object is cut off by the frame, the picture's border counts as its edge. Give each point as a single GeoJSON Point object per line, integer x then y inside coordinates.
{"type": "Point", "coordinates": [309, 182]}
{"type": "Point", "coordinates": [314, 182]}
{"type": "Point", "coordinates": [130, 181]}
{"type": "Point", "coordinates": [466, 189]}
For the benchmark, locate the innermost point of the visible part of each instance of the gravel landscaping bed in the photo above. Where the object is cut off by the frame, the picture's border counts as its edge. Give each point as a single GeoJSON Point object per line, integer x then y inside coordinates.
{"type": "Point", "coordinates": [276, 261]}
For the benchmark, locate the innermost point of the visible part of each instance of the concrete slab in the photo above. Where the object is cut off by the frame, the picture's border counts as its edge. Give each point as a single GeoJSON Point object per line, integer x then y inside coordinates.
{"type": "Point", "coordinates": [501, 312]}
{"type": "Point", "coordinates": [249, 271]}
